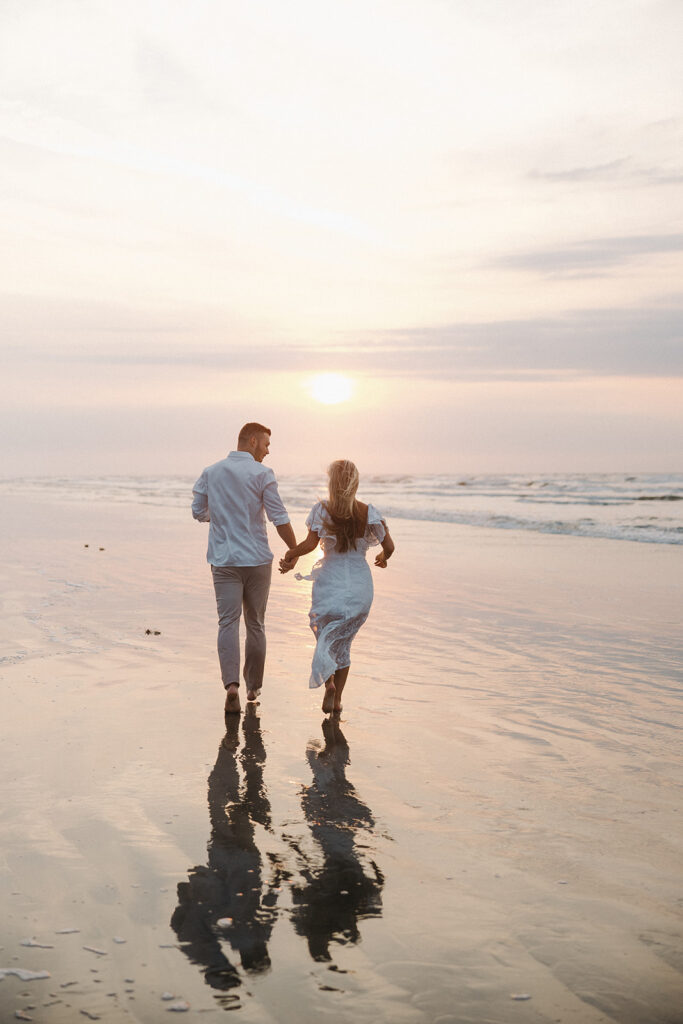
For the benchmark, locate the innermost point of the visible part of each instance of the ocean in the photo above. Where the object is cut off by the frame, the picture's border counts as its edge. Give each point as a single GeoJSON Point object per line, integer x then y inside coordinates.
{"type": "Point", "coordinates": [628, 507]}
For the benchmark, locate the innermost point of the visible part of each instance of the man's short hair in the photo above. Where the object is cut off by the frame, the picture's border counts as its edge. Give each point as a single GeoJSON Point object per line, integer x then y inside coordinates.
{"type": "Point", "coordinates": [250, 430]}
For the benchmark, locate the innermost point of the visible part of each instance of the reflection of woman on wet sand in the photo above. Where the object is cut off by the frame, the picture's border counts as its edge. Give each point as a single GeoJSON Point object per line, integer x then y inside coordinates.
{"type": "Point", "coordinates": [222, 901]}
{"type": "Point", "coordinates": [342, 581]}
{"type": "Point", "coordinates": [342, 890]}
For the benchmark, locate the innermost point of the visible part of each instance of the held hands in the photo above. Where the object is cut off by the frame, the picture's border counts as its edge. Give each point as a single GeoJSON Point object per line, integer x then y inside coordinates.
{"type": "Point", "coordinates": [289, 561]}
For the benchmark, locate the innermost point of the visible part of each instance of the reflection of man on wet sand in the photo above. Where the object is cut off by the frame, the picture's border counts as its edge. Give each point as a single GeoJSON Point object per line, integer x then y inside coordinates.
{"type": "Point", "coordinates": [222, 903]}
{"type": "Point", "coordinates": [342, 890]}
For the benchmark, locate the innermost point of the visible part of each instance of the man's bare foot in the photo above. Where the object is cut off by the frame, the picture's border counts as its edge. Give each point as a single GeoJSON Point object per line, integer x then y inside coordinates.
{"type": "Point", "coordinates": [337, 709]}
{"type": "Point", "coordinates": [328, 699]}
{"type": "Point", "coordinates": [252, 694]}
{"type": "Point", "coordinates": [232, 700]}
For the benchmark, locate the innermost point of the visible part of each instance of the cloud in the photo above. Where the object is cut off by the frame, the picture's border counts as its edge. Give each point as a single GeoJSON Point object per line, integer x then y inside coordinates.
{"type": "Point", "coordinates": [621, 171]}
{"type": "Point", "coordinates": [595, 172]}
{"type": "Point", "coordinates": [591, 257]}
{"type": "Point", "coordinates": [644, 342]}
{"type": "Point", "coordinates": [45, 135]}
{"type": "Point", "coordinates": [612, 342]}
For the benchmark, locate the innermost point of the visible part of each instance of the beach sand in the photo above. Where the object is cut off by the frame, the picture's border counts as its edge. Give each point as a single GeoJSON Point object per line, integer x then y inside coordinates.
{"type": "Point", "coordinates": [496, 815]}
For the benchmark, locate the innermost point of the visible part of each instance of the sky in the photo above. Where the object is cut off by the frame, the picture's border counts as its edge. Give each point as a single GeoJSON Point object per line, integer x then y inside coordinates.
{"type": "Point", "coordinates": [472, 211]}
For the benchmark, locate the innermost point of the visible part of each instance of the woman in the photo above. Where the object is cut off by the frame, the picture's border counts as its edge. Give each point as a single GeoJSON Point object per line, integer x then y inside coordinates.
{"type": "Point", "coordinates": [342, 582]}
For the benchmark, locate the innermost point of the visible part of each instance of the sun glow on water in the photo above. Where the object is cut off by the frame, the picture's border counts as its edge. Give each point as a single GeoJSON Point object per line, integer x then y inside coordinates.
{"type": "Point", "coordinates": [331, 388]}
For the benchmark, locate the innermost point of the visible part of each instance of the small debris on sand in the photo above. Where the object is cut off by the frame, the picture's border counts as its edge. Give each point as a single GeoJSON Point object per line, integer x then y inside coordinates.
{"type": "Point", "coordinates": [93, 949]}
{"type": "Point", "coordinates": [166, 996]}
{"type": "Point", "coordinates": [117, 938]}
{"type": "Point", "coordinates": [67, 931]}
{"type": "Point", "coordinates": [37, 945]}
{"type": "Point", "coordinates": [520, 996]}
{"type": "Point", "coordinates": [22, 974]}
{"type": "Point", "coordinates": [180, 1007]}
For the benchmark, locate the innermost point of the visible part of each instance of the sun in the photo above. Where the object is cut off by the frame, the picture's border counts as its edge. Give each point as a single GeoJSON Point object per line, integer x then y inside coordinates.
{"type": "Point", "coordinates": [331, 388]}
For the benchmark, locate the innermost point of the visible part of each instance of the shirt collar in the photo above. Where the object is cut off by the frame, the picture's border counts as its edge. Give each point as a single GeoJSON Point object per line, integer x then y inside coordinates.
{"type": "Point", "coordinates": [241, 455]}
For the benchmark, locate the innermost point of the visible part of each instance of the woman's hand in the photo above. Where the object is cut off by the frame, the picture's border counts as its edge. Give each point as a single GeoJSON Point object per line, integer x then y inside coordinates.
{"type": "Point", "coordinates": [289, 561]}
{"type": "Point", "coordinates": [387, 549]}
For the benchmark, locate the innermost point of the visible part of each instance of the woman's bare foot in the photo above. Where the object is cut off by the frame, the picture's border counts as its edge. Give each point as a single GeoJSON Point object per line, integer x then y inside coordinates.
{"type": "Point", "coordinates": [328, 699]}
{"type": "Point", "coordinates": [340, 677]}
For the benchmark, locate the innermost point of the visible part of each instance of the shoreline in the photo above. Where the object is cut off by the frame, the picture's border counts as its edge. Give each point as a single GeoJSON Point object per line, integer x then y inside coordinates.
{"type": "Point", "coordinates": [644, 507]}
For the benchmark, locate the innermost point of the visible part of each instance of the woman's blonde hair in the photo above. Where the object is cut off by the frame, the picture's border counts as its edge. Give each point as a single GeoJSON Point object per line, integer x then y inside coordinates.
{"type": "Point", "coordinates": [342, 508]}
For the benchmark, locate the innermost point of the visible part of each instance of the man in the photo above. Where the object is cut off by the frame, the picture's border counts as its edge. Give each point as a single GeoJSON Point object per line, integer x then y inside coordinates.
{"type": "Point", "coordinates": [232, 495]}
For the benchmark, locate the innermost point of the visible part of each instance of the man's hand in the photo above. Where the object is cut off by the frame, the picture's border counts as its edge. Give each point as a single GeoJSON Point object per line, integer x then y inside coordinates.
{"type": "Point", "coordinates": [289, 561]}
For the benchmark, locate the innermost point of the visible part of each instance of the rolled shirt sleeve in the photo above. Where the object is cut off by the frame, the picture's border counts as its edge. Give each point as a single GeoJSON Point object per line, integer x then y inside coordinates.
{"type": "Point", "coordinates": [200, 500]}
{"type": "Point", "coordinates": [272, 503]}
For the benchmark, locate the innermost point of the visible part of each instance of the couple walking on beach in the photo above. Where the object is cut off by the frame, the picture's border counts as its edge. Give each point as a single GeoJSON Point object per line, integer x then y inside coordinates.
{"type": "Point", "coordinates": [234, 496]}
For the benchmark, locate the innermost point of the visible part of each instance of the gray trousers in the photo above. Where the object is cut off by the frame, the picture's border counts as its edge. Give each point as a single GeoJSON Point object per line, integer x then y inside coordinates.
{"type": "Point", "coordinates": [242, 589]}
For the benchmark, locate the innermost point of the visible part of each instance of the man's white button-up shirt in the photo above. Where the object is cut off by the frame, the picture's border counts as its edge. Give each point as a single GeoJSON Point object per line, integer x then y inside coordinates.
{"type": "Point", "coordinates": [234, 496]}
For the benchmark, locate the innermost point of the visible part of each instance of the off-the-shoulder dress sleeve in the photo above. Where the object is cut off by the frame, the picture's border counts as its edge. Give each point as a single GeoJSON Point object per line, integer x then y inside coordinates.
{"type": "Point", "coordinates": [374, 531]}
{"type": "Point", "coordinates": [315, 521]}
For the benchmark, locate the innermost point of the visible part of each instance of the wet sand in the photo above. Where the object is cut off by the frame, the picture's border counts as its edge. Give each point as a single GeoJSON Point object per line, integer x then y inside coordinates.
{"type": "Point", "coordinates": [496, 814]}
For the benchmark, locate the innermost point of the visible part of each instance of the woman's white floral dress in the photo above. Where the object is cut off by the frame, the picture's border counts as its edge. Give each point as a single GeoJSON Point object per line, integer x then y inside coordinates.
{"type": "Point", "coordinates": [342, 593]}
